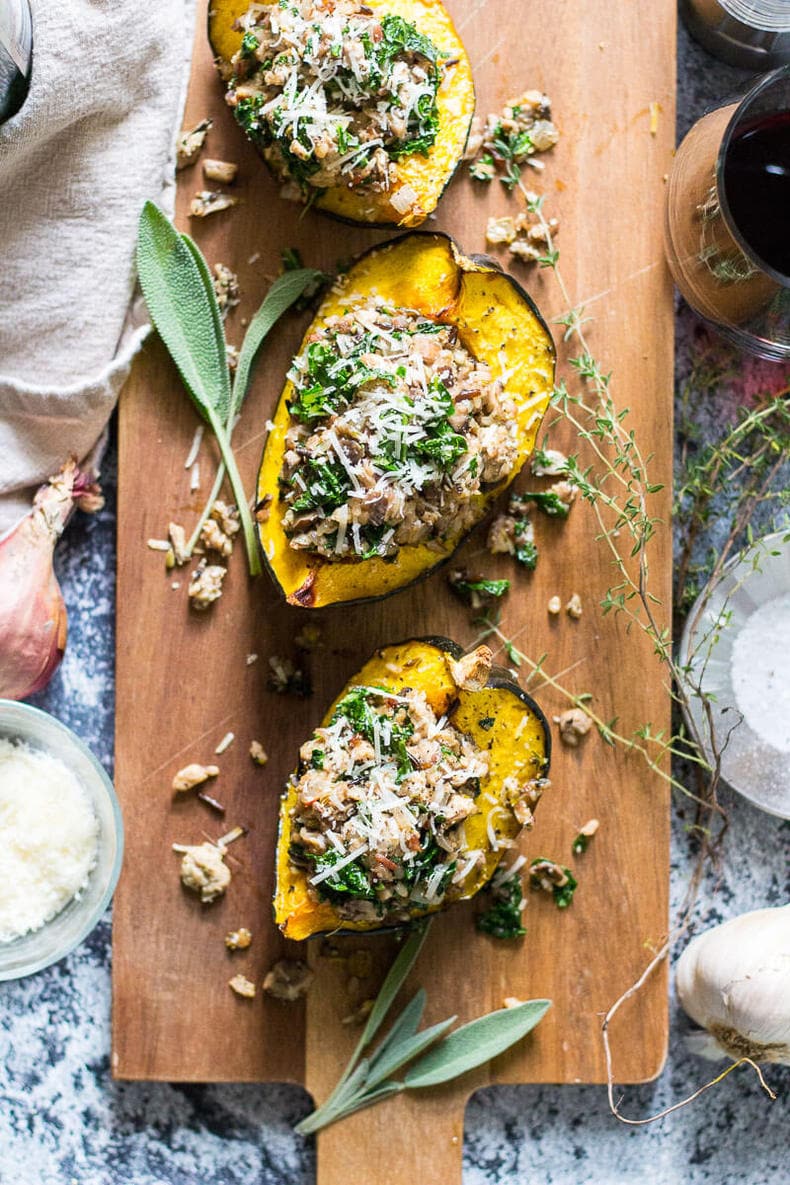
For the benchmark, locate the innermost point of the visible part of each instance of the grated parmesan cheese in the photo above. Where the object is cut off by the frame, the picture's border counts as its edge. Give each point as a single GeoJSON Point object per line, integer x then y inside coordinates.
{"type": "Point", "coordinates": [48, 838]}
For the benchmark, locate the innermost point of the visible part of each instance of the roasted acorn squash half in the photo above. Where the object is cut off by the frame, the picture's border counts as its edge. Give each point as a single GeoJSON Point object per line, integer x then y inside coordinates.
{"type": "Point", "coordinates": [471, 698]}
{"type": "Point", "coordinates": [497, 324]}
{"type": "Point", "coordinates": [402, 189]}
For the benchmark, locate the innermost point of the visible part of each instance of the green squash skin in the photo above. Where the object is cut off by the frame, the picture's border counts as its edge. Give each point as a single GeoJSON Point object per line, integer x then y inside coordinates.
{"type": "Point", "coordinates": [499, 680]}
{"type": "Point", "coordinates": [487, 262]}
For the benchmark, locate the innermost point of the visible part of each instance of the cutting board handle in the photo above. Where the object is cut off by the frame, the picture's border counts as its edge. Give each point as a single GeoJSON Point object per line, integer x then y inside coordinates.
{"type": "Point", "coordinates": [413, 1140]}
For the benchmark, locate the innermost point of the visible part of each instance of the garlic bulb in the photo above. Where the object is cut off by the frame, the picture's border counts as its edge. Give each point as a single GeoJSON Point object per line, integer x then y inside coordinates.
{"type": "Point", "coordinates": [734, 980]}
{"type": "Point", "coordinates": [32, 612]}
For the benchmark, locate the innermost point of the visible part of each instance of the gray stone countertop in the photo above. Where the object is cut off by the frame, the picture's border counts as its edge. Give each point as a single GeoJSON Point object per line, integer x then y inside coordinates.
{"type": "Point", "coordinates": [63, 1120]}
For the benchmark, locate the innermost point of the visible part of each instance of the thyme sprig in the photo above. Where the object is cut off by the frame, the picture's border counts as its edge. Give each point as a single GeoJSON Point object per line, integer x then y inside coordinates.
{"type": "Point", "coordinates": [429, 1056]}
{"type": "Point", "coordinates": [617, 486]}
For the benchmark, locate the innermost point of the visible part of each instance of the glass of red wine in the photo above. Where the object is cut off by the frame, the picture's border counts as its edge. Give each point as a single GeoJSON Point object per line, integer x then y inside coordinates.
{"type": "Point", "coordinates": [728, 218]}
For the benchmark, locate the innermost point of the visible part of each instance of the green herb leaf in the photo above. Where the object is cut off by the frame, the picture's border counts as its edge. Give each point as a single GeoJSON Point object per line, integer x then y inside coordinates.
{"type": "Point", "coordinates": [284, 292]}
{"type": "Point", "coordinates": [526, 552]}
{"type": "Point", "coordinates": [367, 1080]}
{"type": "Point", "coordinates": [550, 503]}
{"type": "Point", "coordinates": [405, 1050]}
{"type": "Point", "coordinates": [404, 1027]}
{"type": "Point", "coordinates": [403, 964]}
{"type": "Point", "coordinates": [563, 894]}
{"type": "Point", "coordinates": [182, 312]}
{"type": "Point", "coordinates": [216, 316]}
{"type": "Point", "coordinates": [182, 303]}
{"type": "Point", "coordinates": [503, 917]}
{"type": "Point", "coordinates": [475, 1043]}
{"type": "Point", "coordinates": [476, 591]}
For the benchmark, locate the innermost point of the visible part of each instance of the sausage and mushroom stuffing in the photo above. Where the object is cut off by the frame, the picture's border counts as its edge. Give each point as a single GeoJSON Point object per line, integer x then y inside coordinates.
{"type": "Point", "coordinates": [396, 430]}
{"type": "Point", "coordinates": [382, 794]}
{"type": "Point", "coordinates": [332, 94]}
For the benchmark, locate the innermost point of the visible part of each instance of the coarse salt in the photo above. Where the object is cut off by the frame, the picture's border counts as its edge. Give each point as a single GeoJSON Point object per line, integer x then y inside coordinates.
{"type": "Point", "coordinates": [759, 676]}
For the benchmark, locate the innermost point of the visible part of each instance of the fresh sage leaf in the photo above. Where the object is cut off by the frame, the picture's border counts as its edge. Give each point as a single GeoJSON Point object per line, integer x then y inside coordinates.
{"type": "Point", "coordinates": [407, 957]}
{"type": "Point", "coordinates": [404, 1027]}
{"type": "Point", "coordinates": [368, 1080]}
{"type": "Point", "coordinates": [219, 329]}
{"type": "Point", "coordinates": [320, 1119]}
{"type": "Point", "coordinates": [405, 1051]}
{"type": "Point", "coordinates": [396, 975]}
{"type": "Point", "coordinates": [346, 1087]}
{"type": "Point", "coordinates": [174, 292]}
{"type": "Point", "coordinates": [475, 1043]}
{"type": "Point", "coordinates": [284, 292]}
{"type": "Point", "coordinates": [179, 292]}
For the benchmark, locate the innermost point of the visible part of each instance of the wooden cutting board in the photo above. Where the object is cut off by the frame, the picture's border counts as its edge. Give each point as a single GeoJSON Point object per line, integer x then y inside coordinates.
{"type": "Point", "coordinates": [183, 680]}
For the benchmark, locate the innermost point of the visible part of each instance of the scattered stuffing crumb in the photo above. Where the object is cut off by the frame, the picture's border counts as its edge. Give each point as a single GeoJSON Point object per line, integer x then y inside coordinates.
{"type": "Point", "coordinates": [242, 986]}
{"type": "Point", "coordinates": [190, 144]}
{"type": "Point", "coordinates": [288, 979]}
{"type": "Point", "coordinates": [193, 775]}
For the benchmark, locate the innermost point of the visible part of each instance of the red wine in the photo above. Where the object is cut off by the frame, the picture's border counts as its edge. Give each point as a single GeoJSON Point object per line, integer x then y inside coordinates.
{"type": "Point", "coordinates": [757, 187]}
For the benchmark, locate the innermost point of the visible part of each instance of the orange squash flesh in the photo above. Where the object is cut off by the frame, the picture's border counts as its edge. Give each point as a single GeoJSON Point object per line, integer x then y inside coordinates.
{"type": "Point", "coordinates": [498, 324]}
{"type": "Point", "coordinates": [519, 746]}
{"type": "Point", "coordinates": [426, 176]}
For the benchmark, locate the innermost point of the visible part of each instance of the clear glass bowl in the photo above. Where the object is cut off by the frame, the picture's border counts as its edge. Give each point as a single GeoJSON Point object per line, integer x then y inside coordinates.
{"type": "Point", "coordinates": [32, 952]}
{"type": "Point", "coordinates": [750, 764]}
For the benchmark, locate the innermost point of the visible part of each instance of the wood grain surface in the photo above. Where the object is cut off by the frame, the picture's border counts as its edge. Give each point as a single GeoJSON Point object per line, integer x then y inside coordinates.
{"type": "Point", "coordinates": [183, 679]}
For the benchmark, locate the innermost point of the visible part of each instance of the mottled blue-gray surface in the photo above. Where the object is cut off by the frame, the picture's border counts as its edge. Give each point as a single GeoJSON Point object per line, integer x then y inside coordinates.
{"type": "Point", "coordinates": [63, 1120]}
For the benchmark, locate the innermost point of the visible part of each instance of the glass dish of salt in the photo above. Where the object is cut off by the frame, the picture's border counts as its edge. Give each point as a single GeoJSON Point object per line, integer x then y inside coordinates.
{"type": "Point", "coordinates": [735, 650]}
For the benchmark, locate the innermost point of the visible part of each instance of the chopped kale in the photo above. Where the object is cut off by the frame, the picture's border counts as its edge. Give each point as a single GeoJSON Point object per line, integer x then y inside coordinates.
{"type": "Point", "coordinates": [476, 591]}
{"type": "Point", "coordinates": [423, 862]}
{"type": "Point", "coordinates": [317, 758]}
{"type": "Point", "coordinates": [541, 877]}
{"type": "Point", "coordinates": [502, 919]}
{"type": "Point", "coordinates": [549, 502]}
{"type": "Point", "coordinates": [327, 486]}
{"type": "Point", "coordinates": [563, 894]}
{"type": "Point", "coordinates": [247, 112]}
{"type": "Point", "coordinates": [526, 552]}
{"type": "Point", "coordinates": [356, 708]}
{"type": "Point", "coordinates": [249, 44]}
{"type": "Point", "coordinates": [444, 446]}
{"type": "Point", "coordinates": [351, 880]}
{"type": "Point", "coordinates": [329, 386]}
{"type": "Point", "coordinates": [401, 37]}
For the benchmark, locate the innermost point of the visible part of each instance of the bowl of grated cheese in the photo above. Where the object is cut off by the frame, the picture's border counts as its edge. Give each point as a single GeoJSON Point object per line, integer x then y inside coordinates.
{"type": "Point", "coordinates": [61, 840]}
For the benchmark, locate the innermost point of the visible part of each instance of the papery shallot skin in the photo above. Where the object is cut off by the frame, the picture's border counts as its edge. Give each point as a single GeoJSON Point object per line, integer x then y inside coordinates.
{"type": "Point", "coordinates": [33, 621]}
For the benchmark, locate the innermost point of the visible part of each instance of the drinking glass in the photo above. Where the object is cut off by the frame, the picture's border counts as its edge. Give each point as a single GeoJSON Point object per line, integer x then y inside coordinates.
{"type": "Point", "coordinates": [727, 229]}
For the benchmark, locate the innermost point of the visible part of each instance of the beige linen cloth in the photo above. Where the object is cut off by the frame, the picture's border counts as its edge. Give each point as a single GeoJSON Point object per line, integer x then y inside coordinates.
{"type": "Point", "coordinates": [93, 140]}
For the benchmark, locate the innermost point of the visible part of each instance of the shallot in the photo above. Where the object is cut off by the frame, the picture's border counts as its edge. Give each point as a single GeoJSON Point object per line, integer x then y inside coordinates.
{"type": "Point", "coordinates": [33, 623]}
